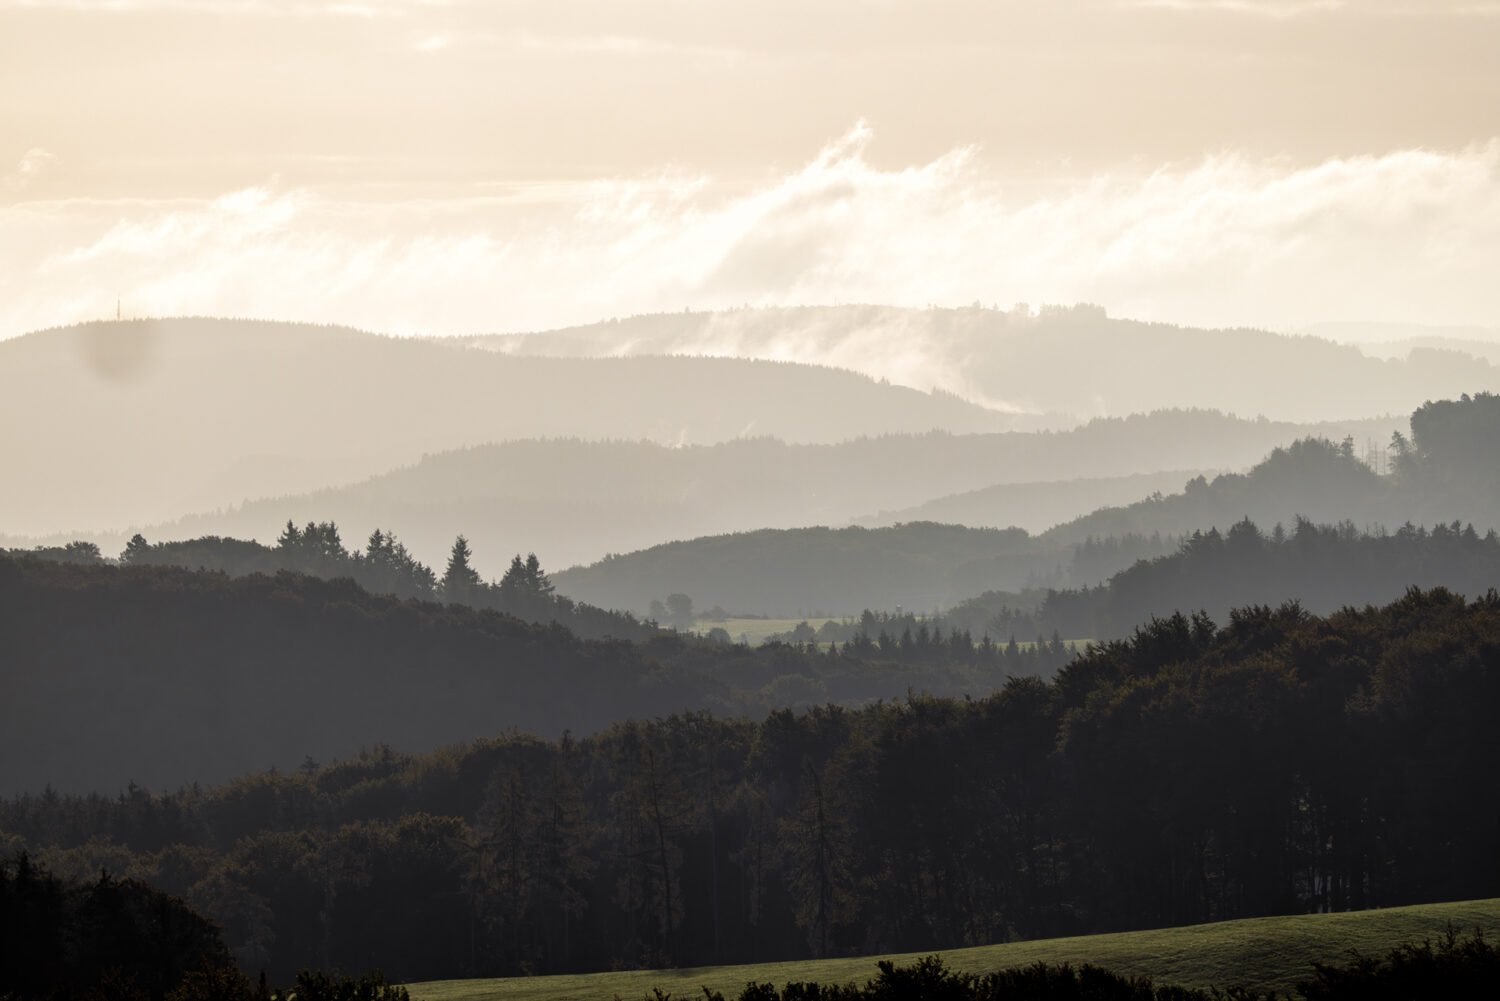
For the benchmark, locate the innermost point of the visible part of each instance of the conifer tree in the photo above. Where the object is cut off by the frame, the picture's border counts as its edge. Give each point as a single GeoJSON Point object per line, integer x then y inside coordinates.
{"type": "Point", "coordinates": [461, 583]}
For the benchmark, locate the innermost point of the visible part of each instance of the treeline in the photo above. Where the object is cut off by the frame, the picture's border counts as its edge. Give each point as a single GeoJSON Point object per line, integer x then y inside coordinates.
{"type": "Point", "coordinates": [115, 938]}
{"type": "Point", "coordinates": [107, 939]}
{"type": "Point", "coordinates": [1281, 763]}
{"type": "Point", "coordinates": [906, 635]}
{"type": "Point", "coordinates": [384, 566]}
{"type": "Point", "coordinates": [165, 676]}
{"type": "Point", "coordinates": [1445, 469]}
{"type": "Point", "coordinates": [122, 940]}
{"type": "Point", "coordinates": [1323, 567]}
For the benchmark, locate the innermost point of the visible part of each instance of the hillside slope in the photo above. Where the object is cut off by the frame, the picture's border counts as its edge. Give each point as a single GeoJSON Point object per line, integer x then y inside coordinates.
{"type": "Point", "coordinates": [574, 502]}
{"type": "Point", "coordinates": [192, 414]}
{"type": "Point", "coordinates": [1259, 953]}
{"type": "Point", "coordinates": [1035, 507]}
{"type": "Point", "coordinates": [1075, 361]}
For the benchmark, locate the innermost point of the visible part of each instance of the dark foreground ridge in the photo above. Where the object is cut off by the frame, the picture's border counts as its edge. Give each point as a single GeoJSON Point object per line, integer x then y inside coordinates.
{"type": "Point", "coordinates": [166, 676]}
{"type": "Point", "coordinates": [1283, 763]}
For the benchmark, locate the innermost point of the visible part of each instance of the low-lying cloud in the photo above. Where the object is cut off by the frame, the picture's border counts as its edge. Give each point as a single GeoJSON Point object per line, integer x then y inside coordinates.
{"type": "Point", "coordinates": [1412, 235]}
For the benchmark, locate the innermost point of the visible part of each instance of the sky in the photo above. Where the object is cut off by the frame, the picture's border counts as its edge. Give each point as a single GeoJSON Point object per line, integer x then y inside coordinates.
{"type": "Point", "coordinates": [447, 167]}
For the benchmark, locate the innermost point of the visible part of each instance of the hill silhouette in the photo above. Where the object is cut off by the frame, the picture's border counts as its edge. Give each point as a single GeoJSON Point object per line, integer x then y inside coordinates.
{"type": "Point", "coordinates": [165, 676]}
{"type": "Point", "coordinates": [1190, 773]}
{"type": "Point", "coordinates": [191, 414]}
{"type": "Point", "coordinates": [1445, 473]}
{"type": "Point", "coordinates": [573, 501]}
{"type": "Point", "coordinates": [1035, 507]}
{"type": "Point", "coordinates": [1073, 361]}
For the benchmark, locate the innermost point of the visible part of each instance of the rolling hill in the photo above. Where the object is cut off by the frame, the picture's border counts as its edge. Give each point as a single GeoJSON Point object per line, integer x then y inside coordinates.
{"type": "Point", "coordinates": [1259, 953]}
{"type": "Point", "coordinates": [187, 415]}
{"type": "Point", "coordinates": [574, 501]}
{"type": "Point", "coordinates": [1073, 361]}
{"type": "Point", "coordinates": [1035, 507]}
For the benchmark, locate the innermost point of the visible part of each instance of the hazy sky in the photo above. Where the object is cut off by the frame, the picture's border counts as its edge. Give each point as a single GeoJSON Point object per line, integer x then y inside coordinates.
{"type": "Point", "coordinates": [447, 166]}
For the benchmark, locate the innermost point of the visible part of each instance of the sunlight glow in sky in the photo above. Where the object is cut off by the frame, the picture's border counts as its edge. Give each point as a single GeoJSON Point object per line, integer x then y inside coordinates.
{"type": "Point", "coordinates": [443, 166]}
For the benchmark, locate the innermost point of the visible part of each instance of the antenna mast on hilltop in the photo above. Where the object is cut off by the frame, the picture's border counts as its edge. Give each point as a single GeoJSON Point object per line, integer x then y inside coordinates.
{"type": "Point", "coordinates": [117, 309]}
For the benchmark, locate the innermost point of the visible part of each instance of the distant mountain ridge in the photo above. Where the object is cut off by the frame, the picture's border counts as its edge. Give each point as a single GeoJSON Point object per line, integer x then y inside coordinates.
{"type": "Point", "coordinates": [1035, 507]}
{"type": "Point", "coordinates": [1448, 473]}
{"type": "Point", "coordinates": [573, 501]}
{"type": "Point", "coordinates": [1072, 362]}
{"type": "Point", "coordinates": [190, 414]}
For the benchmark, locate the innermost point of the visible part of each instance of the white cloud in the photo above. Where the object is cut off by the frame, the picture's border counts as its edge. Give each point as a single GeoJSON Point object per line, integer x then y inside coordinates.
{"type": "Point", "coordinates": [1413, 235]}
{"type": "Point", "coordinates": [29, 169]}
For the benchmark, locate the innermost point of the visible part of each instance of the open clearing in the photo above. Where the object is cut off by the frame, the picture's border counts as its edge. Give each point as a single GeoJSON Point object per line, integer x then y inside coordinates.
{"type": "Point", "coordinates": [755, 631]}
{"type": "Point", "coordinates": [1262, 953]}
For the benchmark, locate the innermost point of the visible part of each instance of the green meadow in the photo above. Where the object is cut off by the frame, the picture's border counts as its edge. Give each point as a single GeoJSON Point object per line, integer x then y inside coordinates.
{"type": "Point", "coordinates": [1261, 953]}
{"type": "Point", "coordinates": [755, 631]}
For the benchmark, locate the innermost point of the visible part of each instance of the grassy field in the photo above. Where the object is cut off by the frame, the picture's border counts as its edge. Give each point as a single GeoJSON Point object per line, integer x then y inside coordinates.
{"type": "Point", "coordinates": [755, 631]}
{"type": "Point", "coordinates": [1261, 952]}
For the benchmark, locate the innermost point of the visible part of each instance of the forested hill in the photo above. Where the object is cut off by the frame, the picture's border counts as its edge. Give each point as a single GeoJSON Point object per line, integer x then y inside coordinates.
{"type": "Point", "coordinates": [383, 566]}
{"type": "Point", "coordinates": [1071, 359]}
{"type": "Point", "coordinates": [1447, 469]}
{"type": "Point", "coordinates": [918, 566]}
{"type": "Point", "coordinates": [1281, 763]}
{"type": "Point", "coordinates": [574, 501]}
{"type": "Point", "coordinates": [1322, 567]}
{"type": "Point", "coordinates": [1312, 478]}
{"type": "Point", "coordinates": [191, 414]}
{"type": "Point", "coordinates": [1035, 507]}
{"type": "Point", "coordinates": [167, 676]}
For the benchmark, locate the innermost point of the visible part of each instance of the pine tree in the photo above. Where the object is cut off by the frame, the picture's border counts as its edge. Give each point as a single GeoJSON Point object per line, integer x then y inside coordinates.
{"type": "Point", "coordinates": [290, 538]}
{"type": "Point", "coordinates": [461, 583]}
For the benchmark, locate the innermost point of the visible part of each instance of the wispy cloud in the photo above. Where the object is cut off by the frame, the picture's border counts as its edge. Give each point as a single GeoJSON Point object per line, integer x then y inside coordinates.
{"type": "Point", "coordinates": [29, 169]}
{"type": "Point", "coordinates": [1412, 235]}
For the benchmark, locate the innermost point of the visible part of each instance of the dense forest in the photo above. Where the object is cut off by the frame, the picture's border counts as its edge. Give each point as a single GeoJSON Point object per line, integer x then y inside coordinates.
{"type": "Point", "coordinates": [1279, 763]}
{"type": "Point", "coordinates": [121, 940]}
{"type": "Point", "coordinates": [925, 566]}
{"type": "Point", "coordinates": [1323, 567]}
{"type": "Point", "coordinates": [1444, 471]}
{"type": "Point", "coordinates": [784, 572]}
{"type": "Point", "coordinates": [164, 675]}
{"type": "Point", "coordinates": [108, 939]}
{"type": "Point", "coordinates": [348, 760]}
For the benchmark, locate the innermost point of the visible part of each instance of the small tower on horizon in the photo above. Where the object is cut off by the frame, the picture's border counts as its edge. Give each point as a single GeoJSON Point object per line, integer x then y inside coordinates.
{"type": "Point", "coordinates": [117, 309]}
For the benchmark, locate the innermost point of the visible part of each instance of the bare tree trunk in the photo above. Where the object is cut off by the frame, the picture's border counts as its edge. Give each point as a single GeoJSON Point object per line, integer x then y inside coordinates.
{"type": "Point", "coordinates": [661, 844]}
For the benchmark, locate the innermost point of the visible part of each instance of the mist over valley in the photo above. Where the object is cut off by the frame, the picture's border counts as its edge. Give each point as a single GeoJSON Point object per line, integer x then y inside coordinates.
{"type": "Point", "coordinates": [754, 501]}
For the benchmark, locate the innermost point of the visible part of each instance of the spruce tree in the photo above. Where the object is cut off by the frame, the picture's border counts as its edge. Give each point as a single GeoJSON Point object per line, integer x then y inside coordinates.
{"type": "Point", "coordinates": [461, 583]}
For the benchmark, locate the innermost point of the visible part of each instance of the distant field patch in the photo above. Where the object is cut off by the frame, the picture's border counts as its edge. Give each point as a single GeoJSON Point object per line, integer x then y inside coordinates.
{"type": "Point", "coordinates": [756, 631]}
{"type": "Point", "coordinates": [1261, 953]}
